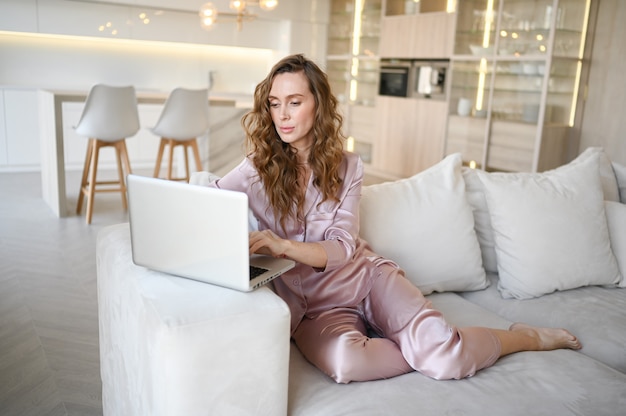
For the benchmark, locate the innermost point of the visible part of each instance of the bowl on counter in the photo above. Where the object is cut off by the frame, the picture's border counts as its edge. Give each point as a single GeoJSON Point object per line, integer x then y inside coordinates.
{"type": "Point", "coordinates": [479, 50]}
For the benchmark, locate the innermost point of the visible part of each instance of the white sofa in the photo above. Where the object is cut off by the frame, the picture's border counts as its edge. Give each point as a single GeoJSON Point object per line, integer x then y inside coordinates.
{"type": "Point", "coordinates": [489, 248]}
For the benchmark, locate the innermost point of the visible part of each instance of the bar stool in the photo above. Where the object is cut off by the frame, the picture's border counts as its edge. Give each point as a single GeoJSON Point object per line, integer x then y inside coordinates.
{"type": "Point", "coordinates": [184, 118]}
{"type": "Point", "coordinates": [109, 117]}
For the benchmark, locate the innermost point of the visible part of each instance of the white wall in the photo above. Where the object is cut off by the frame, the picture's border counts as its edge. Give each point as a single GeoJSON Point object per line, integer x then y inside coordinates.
{"type": "Point", "coordinates": [604, 117]}
{"type": "Point", "coordinates": [68, 62]}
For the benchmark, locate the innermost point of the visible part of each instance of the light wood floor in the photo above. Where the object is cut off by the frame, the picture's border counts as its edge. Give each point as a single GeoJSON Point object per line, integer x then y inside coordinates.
{"type": "Point", "coordinates": [49, 359]}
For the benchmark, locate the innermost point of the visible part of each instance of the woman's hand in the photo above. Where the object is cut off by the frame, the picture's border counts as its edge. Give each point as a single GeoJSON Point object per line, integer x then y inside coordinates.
{"type": "Point", "coordinates": [267, 243]}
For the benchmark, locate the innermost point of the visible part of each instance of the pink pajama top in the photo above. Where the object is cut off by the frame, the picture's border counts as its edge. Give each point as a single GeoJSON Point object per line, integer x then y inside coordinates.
{"type": "Point", "coordinates": [351, 266]}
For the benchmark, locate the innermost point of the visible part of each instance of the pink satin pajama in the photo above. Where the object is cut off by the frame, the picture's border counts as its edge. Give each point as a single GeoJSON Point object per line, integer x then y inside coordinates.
{"type": "Point", "coordinates": [332, 308]}
{"type": "Point", "coordinates": [416, 337]}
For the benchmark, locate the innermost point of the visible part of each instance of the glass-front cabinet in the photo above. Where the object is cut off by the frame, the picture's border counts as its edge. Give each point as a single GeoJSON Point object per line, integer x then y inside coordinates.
{"type": "Point", "coordinates": [353, 67]}
{"type": "Point", "coordinates": [515, 77]}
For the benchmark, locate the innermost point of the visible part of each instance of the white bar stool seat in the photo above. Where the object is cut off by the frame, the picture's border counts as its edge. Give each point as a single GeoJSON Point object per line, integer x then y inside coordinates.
{"type": "Point", "coordinates": [184, 118]}
{"type": "Point", "coordinates": [109, 117]}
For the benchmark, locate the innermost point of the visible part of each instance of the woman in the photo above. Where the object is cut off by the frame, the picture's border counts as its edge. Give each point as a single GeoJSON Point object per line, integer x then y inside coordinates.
{"type": "Point", "coordinates": [304, 191]}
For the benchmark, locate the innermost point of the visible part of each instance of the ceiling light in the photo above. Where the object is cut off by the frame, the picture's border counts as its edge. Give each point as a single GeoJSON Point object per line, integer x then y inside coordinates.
{"type": "Point", "coordinates": [241, 12]}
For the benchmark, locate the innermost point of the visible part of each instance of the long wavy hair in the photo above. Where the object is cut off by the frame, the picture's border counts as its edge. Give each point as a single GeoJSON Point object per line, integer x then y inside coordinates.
{"type": "Point", "coordinates": [276, 160]}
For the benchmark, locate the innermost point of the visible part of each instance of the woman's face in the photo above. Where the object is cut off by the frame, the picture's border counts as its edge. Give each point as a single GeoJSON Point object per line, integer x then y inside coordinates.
{"type": "Point", "coordinates": [292, 107]}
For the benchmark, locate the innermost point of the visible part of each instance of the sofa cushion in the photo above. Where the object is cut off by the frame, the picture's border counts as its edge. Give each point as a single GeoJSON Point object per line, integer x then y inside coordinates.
{"type": "Point", "coordinates": [620, 175]}
{"type": "Point", "coordinates": [595, 314]}
{"type": "Point", "coordinates": [616, 219]}
{"type": "Point", "coordinates": [550, 229]}
{"type": "Point", "coordinates": [560, 382]}
{"type": "Point", "coordinates": [425, 224]}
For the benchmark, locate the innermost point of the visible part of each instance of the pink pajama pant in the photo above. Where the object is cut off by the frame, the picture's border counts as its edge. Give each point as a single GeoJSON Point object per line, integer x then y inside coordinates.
{"type": "Point", "coordinates": [415, 337]}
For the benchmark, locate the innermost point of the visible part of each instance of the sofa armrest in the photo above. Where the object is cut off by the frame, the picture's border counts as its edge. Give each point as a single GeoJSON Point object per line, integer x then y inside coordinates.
{"type": "Point", "coordinates": [202, 178]}
{"type": "Point", "coordinates": [174, 346]}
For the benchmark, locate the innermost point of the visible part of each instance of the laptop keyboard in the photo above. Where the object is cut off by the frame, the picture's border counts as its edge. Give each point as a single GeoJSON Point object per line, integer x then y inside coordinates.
{"type": "Point", "coordinates": [256, 271]}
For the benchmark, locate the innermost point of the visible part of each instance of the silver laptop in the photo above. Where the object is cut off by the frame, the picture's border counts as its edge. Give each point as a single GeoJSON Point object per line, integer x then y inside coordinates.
{"type": "Point", "coordinates": [196, 232]}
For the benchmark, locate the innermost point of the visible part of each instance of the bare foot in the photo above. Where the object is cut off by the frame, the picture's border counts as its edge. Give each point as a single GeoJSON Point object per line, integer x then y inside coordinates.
{"type": "Point", "coordinates": [549, 338]}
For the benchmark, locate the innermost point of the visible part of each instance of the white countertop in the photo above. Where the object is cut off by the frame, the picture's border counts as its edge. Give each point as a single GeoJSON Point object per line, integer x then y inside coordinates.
{"type": "Point", "coordinates": [238, 100]}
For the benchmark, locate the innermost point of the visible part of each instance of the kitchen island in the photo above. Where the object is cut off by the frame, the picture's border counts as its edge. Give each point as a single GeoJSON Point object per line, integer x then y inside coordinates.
{"type": "Point", "coordinates": [51, 128]}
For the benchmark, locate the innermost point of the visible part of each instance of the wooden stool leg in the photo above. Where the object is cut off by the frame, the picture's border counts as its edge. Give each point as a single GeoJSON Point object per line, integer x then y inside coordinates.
{"type": "Point", "coordinates": [120, 172]}
{"type": "Point", "coordinates": [186, 151]}
{"type": "Point", "coordinates": [196, 154]}
{"type": "Point", "coordinates": [157, 168]}
{"type": "Point", "coordinates": [170, 142]}
{"type": "Point", "coordinates": [125, 159]}
{"type": "Point", "coordinates": [83, 181]}
{"type": "Point", "coordinates": [91, 190]}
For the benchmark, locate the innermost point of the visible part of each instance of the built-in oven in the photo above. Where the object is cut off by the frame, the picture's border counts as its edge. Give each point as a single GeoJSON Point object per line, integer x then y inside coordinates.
{"type": "Point", "coordinates": [413, 78]}
{"type": "Point", "coordinates": [396, 78]}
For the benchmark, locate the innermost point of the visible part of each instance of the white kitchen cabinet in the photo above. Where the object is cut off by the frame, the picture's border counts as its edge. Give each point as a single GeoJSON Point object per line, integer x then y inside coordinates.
{"type": "Point", "coordinates": [20, 133]}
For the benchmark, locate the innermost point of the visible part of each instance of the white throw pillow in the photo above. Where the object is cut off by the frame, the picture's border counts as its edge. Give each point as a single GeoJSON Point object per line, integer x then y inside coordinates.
{"type": "Point", "coordinates": [476, 197]}
{"type": "Point", "coordinates": [550, 229]}
{"type": "Point", "coordinates": [607, 176]}
{"type": "Point", "coordinates": [616, 218]}
{"type": "Point", "coordinates": [425, 224]}
{"type": "Point", "coordinates": [475, 192]}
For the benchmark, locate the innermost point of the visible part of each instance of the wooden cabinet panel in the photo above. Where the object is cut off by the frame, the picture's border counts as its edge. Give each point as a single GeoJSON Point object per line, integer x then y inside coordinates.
{"type": "Point", "coordinates": [512, 147]}
{"type": "Point", "coordinates": [429, 126]}
{"type": "Point", "coordinates": [420, 36]}
{"type": "Point", "coordinates": [409, 135]}
{"type": "Point", "coordinates": [395, 38]}
{"type": "Point", "coordinates": [432, 35]}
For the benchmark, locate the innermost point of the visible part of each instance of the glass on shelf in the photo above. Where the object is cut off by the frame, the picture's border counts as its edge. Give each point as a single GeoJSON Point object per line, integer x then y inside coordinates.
{"type": "Point", "coordinates": [469, 93]}
{"type": "Point", "coordinates": [569, 37]}
{"type": "Point", "coordinates": [519, 42]}
{"type": "Point", "coordinates": [354, 32]}
{"type": "Point", "coordinates": [476, 25]}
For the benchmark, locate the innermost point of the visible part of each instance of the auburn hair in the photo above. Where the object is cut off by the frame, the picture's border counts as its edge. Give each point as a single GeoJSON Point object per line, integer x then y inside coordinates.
{"type": "Point", "coordinates": [276, 161]}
